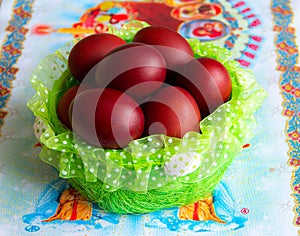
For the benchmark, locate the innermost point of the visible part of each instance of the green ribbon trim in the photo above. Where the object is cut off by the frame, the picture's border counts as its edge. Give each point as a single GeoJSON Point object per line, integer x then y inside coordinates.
{"type": "Point", "coordinates": [151, 162]}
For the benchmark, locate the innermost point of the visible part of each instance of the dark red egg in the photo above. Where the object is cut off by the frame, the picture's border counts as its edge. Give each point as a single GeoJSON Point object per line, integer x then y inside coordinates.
{"type": "Point", "coordinates": [208, 81]}
{"type": "Point", "coordinates": [107, 118]}
{"type": "Point", "coordinates": [89, 51]}
{"type": "Point", "coordinates": [66, 100]}
{"type": "Point", "coordinates": [135, 68]}
{"type": "Point", "coordinates": [171, 111]}
{"type": "Point", "coordinates": [175, 49]}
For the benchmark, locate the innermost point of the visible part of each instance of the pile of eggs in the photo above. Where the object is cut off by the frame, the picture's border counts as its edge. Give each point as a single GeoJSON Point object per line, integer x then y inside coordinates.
{"type": "Point", "coordinates": [152, 85]}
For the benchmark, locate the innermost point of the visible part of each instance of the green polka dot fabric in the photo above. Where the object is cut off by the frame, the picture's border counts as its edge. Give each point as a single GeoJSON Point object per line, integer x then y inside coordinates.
{"type": "Point", "coordinates": [155, 162]}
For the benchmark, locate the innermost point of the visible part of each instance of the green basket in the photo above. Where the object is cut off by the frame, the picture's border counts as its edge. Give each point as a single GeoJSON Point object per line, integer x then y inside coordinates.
{"type": "Point", "coordinates": [154, 172]}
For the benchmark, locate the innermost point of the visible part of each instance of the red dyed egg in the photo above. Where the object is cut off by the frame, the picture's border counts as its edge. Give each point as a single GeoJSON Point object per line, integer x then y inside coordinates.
{"type": "Point", "coordinates": [172, 45]}
{"type": "Point", "coordinates": [208, 81]}
{"type": "Point", "coordinates": [107, 118]}
{"type": "Point", "coordinates": [171, 111]}
{"type": "Point", "coordinates": [66, 100]}
{"type": "Point", "coordinates": [135, 68]}
{"type": "Point", "coordinates": [89, 51]}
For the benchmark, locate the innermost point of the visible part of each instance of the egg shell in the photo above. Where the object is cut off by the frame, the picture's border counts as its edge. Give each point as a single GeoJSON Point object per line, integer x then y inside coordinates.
{"type": "Point", "coordinates": [66, 100]}
{"type": "Point", "coordinates": [107, 118]}
{"type": "Point", "coordinates": [39, 127]}
{"type": "Point", "coordinates": [182, 164]}
{"type": "Point", "coordinates": [89, 51]}
{"type": "Point", "coordinates": [208, 81]}
{"type": "Point", "coordinates": [171, 111]}
{"type": "Point", "coordinates": [175, 49]}
{"type": "Point", "coordinates": [134, 68]}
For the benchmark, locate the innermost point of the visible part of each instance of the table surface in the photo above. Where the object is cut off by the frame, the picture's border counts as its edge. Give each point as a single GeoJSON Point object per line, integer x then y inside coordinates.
{"type": "Point", "coordinates": [259, 194]}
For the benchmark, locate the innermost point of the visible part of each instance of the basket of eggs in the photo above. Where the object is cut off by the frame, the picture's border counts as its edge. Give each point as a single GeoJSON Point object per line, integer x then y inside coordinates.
{"type": "Point", "coordinates": [141, 119]}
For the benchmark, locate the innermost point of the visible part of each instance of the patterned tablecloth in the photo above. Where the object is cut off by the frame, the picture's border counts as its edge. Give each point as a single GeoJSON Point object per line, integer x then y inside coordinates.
{"type": "Point", "coordinates": [260, 193]}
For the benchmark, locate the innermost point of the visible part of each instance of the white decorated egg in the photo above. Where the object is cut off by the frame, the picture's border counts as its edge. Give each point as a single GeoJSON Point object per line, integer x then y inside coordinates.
{"type": "Point", "coordinates": [182, 164]}
{"type": "Point", "coordinates": [39, 127]}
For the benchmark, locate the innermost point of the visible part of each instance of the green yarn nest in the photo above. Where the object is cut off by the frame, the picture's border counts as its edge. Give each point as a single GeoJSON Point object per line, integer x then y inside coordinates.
{"type": "Point", "coordinates": [154, 172]}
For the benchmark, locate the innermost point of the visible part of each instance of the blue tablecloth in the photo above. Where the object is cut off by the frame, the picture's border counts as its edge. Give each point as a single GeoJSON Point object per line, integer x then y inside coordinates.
{"type": "Point", "coordinates": [259, 195]}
